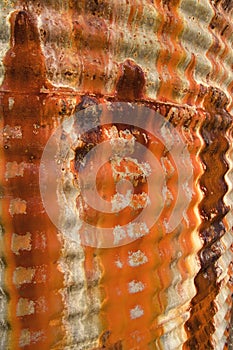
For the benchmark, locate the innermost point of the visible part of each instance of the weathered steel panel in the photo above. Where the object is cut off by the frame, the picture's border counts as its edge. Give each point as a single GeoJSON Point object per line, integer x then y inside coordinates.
{"type": "Point", "coordinates": [167, 289]}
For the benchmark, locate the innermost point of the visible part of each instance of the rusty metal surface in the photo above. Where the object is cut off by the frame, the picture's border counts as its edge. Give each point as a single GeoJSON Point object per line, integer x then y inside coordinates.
{"type": "Point", "coordinates": [180, 46]}
{"type": "Point", "coordinates": [163, 290]}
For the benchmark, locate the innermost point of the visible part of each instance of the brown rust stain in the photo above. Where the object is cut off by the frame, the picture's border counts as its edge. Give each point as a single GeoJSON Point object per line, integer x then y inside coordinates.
{"type": "Point", "coordinates": [131, 82]}
{"type": "Point", "coordinates": [24, 63]}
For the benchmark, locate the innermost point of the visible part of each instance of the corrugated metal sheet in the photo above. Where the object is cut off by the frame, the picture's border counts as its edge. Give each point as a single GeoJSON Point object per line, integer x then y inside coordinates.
{"type": "Point", "coordinates": [165, 290]}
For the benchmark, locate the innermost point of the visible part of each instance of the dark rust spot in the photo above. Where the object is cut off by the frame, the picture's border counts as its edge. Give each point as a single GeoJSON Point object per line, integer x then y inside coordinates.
{"type": "Point", "coordinates": [131, 82]}
{"type": "Point", "coordinates": [24, 30]}
{"type": "Point", "coordinates": [87, 115]}
{"type": "Point", "coordinates": [81, 152]}
{"type": "Point", "coordinates": [86, 101]}
{"type": "Point", "coordinates": [215, 100]}
{"type": "Point", "coordinates": [227, 5]}
{"type": "Point", "coordinates": [104, 338]}
{"type": "Point", "coordinates": [116, 346]}
{"type": "Point", "coordinates": [24, 62]}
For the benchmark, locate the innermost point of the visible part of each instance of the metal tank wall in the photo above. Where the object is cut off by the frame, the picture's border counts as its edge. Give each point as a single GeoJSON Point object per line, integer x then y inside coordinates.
{"type": "Point", "coordinates": [164, 290]}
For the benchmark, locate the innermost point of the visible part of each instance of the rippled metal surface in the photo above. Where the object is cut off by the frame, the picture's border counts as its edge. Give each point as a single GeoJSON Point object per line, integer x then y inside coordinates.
{"type": "Point", "coordinates": [164, 290]}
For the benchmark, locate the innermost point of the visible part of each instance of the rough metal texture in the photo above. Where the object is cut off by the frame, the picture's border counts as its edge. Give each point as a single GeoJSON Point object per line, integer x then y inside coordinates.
{"type": "Point", "coordinates": [58, 57]}
{"type": "Point", "coordinates": [180, 45]}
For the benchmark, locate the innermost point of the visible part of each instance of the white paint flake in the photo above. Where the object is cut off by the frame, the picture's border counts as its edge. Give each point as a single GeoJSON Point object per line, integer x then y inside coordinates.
{"type": "Point", "coordinates": [139, 201]}
{"type": "Point", "coordinates": [24, 339]}
{"type": "Point", "coordinates": [118, 263]}
{"type": "Point", "coordinates": [120, 201]}
{"type": "Point", "coordinates": [130, 169]}
{"type": "Point", "coordinates": [135, 201]}
{"type": "Point", "coordinates": [119, 234]}
{"type": "Point", "coordinates": [167, 167]}
{"type": "Point", "coordinates": [27, 337]}
{"type": "Point", "coordinates": [25, 307]}
{"type": "Point", "coordinates": [133, 231]}
{"type": "Point", "coordinates": [137, 258]}
{"type": "Point", "coordinates": [187, 190]}
{"type": "Point", "coordinates": [122, 142]}
{"type": "Point", "coordinates": [21, 242]}
{"type": "Point", "coordinates": [135, 286]}
{"type": "Point", "coordinates": [14, 169]}
{"type": "Point", "coordinates": [13, 132]}
{"type": "Point", "coordinates": [137, 229]}
{"type": "Point", "coordinates": [23, 275]}
{"type": "Point", "coordinates": [167, 196]}
{"type": "Point", "coordinates": [136, 312]}
{"type": "Point", "coordinates": [11, 102]}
